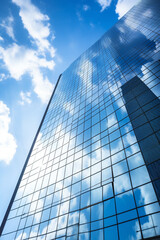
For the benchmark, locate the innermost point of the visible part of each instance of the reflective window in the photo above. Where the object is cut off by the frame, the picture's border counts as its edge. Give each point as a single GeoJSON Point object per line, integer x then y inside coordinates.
{"type": "Point", "coordinates": [93, 172]}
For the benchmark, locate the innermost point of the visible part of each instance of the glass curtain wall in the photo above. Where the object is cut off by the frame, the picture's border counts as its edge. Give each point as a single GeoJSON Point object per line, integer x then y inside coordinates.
{"type": "Point", "coordinates": [94, 170]}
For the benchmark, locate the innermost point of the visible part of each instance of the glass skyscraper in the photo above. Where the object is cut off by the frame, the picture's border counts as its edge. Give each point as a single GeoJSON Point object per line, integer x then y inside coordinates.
{"type": "Point", "coordinates": [93, 171]}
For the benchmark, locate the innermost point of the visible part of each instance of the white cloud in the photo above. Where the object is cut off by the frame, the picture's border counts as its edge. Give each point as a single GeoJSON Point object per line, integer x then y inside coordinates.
{"type": "Point", "coordinates": [85, 7]}
{"type": "Point", "coordinates": [104, 4]}
{"type": "Point", "coordinates": [7, 24]}
{"type": "Point", "coordinates": [79, 16]}
{"type": "Point", "coordinates": [92, 25]}
{"type": "Point", "coordinates": [123, 6]}
{"type": "Point", "coordinates": [20, 60]}
{"type": "Point", "coordinates": [25, 97]}
{"type": "Point", "coordinates": [3, 77]}
{"type": "Point", "coordinates": [85, 68]}
{"type": "Point", "coordinates": [1, 39]}
{"type": "Point", "coordinates": [111, 120]}
{"type": "Point", "coordinates": [121, 183]}
{"type": "Point", "coordinates": [69, 107]}
{"type": "Point", "coordinates": [37, 25]}
{"type": "Point", "coordinates": [42, 86]}
{"type": "Point", "coordinates": [20, 236]}
{"type": "Point", "coordinates": [7, 141]}
{"type": "Point", "coordinates": [148, 13]}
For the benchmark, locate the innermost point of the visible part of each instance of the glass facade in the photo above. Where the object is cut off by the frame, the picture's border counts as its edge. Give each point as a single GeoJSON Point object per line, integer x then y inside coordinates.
{"type": "Point", "coordinates": [93, 172]}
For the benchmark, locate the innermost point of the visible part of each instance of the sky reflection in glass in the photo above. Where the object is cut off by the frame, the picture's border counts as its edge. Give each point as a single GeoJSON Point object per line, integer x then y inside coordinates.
{"type": "Point", "coordinates": [90, 173]}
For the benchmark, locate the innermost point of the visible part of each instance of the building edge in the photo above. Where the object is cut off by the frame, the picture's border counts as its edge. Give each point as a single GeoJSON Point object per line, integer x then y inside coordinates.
{"type": "Point", "coordinates": [26, 162]}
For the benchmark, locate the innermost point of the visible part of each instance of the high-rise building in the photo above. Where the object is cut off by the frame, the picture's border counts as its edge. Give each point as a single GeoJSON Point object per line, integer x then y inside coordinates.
{"type": "Point", "coordinates": [93, 171]}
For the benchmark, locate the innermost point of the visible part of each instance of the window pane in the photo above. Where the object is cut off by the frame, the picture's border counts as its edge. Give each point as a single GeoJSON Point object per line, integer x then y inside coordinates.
{"type": "Point", "coordinates": [111, 233]}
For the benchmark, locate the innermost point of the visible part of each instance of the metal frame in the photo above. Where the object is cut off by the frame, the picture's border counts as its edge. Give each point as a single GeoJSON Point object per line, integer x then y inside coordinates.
{"type": "Point", "coordinates": [26, 162]}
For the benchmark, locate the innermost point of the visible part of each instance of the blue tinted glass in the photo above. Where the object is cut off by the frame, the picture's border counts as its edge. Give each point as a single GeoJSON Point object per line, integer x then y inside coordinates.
{"type": "Point", "coordinates": [111, 233]}
{"type": "Point", "coordinates": [109, 208]}
{"type": "Point", "coordinates": [124, 198]}
{"type": "Point", "coordinates": [93, 171]}
{"type": "Point", "coordinates": [130, 229]}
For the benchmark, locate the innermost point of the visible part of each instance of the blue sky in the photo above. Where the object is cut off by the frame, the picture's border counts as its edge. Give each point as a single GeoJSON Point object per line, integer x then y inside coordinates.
{"type": "Point", "coordinates": [38, 40]}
